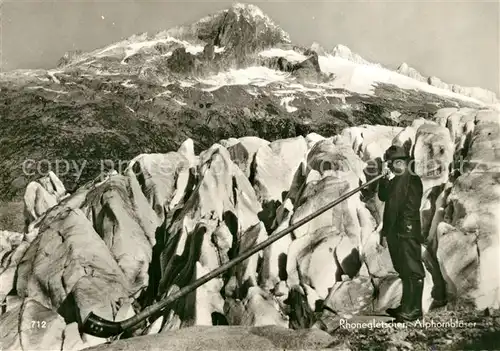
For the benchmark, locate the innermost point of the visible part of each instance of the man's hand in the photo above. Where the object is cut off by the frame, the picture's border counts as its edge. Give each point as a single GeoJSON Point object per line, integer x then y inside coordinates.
{"type": "Point", "coordinates": [386, 172]}
{"type": "Point", "coordinates": [385, 169]}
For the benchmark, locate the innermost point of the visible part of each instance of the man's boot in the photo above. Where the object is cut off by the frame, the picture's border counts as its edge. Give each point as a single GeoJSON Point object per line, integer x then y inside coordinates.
{"type": "Point", "coordinates": [413, 310]}
{"type": "Point", "coordinates": [406, 295]}
{"type": "Point", "coordinates": [439, 294]}
{"type": "Point", "coordinates": [439, 301]}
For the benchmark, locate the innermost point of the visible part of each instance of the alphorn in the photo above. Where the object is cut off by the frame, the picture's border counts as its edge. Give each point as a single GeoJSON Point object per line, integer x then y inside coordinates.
{"type": "Point", "coordinates": [100, 327]}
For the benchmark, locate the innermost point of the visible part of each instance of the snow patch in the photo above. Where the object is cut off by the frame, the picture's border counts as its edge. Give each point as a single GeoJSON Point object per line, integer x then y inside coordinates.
{"type": "Point", "coordinates": [104, 73]}
{"type": "Point", "coordinates": [286, 102]}
{"type": "Point", "coordinates": [47, 89]}
{"type": "Point", "coordinates": [127, 84]}
{"type": "Point", "coordinates": [196, 49]}
{"type": "Point", "coordinates": [253, 91]}
{"type": "Point", "coordinates": [53, 77]}
{"type": "Point", "coordinates": [134, 48]}
{"type": "Point", "coordinates": [257, 76]}
{"type": "Point", "coordinates": [180, 102]}
{"type": "Point", "coordinates": [192, 49]}
{"type": "Point", "coordinates": [185, 84]}
{"type": "Point", "coordinates": [314, 92]}
{"type": "Point", "coordinates": [131, 49]}
{"type": "Point", "coordinates": [106, 49]}
{"type": "Point", "coordinates": [166, 92]}
{"type": "Point", "coordinates": [284, 92]}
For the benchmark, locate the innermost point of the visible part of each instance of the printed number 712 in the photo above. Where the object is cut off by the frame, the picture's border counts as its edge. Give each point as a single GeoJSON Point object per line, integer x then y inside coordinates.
{"type": "Point", "coordinates": [38, 324]}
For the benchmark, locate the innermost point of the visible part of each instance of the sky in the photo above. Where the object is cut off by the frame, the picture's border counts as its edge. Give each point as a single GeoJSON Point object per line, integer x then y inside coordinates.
{"type": "Point", "coordinates": [455, 41]}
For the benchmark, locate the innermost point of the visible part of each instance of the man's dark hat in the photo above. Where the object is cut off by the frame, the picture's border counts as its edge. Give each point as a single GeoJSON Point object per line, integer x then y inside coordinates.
{"type": "Point", "coordinates": [395, 153]}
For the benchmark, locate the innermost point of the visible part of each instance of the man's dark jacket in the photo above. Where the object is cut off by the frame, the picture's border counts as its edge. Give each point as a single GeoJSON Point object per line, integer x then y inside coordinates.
{"type": "Point", "coordinates": [402, 196]}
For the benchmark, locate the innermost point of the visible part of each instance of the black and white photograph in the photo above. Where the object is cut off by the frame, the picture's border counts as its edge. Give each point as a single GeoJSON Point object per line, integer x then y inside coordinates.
{"type": "Point", "coordinates": [254, 175]}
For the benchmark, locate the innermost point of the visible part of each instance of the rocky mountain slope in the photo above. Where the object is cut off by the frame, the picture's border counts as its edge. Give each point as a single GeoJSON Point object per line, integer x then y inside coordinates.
{"type": "Point", "coordinates": [230, 74]}
{"type": "Point", "coordinates": [215, 136]}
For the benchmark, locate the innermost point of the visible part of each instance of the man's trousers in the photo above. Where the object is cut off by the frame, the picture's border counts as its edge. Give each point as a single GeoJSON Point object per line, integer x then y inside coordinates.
{"type": "Point", "coordinates": [407, 259]}
{"type": "Point", "coordinates": [406, 256]}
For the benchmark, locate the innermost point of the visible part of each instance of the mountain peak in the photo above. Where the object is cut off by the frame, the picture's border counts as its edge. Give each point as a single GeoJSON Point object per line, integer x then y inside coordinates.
{"type": "Point", "coordinates": [403, 67]}
{"type": "Point", "coordinates": [238, 35]}
{"type": "Point", "coordinates": [344, 52]}
{"type": "Point", "coordinates": [340, 48]}
{"type": "Point", "coordinates": [248, 10]}
{"type": "Point", "coordinates": [315, 46]}
{"type": "Point", "coordinates": [241, 29]}
{"type": "Point", "coordinates": [411, 72]}
{"type": "Point", "coordinates": [253, 14]}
